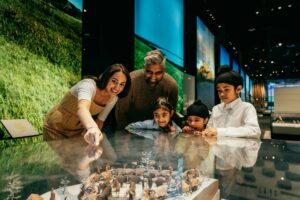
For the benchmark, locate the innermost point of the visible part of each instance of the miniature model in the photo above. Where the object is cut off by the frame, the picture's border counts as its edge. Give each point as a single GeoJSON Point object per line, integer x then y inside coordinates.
{"type": "Point", "coordinates": [117, 186]}
{"type": "Point", "coordinates": [131, 191]}
{"type": "Point", "coordinates": [105, 191]}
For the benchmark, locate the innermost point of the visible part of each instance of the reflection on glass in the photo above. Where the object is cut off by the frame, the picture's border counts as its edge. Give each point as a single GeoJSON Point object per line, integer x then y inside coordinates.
{"type": "Point", "coordinates": [127, 165]}
{"type": "Point", "coordinates": [231, 155]}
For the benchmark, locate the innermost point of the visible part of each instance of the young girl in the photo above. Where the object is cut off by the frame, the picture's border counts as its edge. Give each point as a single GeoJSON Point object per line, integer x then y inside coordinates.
{"type": "Point", "coordinates": [162, 114]}
{"type": "Point", "coordinates": [232, 117]}
{"type": "Point", "coordinates": [197, 118]}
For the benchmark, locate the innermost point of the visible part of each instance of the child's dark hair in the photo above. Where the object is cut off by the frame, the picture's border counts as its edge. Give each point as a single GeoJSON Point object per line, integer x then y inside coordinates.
{"type": "Point", "coordinates": [162, 102]}
{"type": "Point", "coordinates": [103, 79]}
{"type": "Point", "coordinates": [198, 109]}
{"type": "Point", "coordinates": [226, 75]}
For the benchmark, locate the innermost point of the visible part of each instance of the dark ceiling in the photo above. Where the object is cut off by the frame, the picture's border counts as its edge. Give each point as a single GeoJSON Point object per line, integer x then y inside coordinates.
{"type": "Point", "coordinates": [263, 35]}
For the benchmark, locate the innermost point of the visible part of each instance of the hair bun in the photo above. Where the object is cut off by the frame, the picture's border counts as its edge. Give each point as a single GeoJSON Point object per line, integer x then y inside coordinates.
{"type": "Point", "coordinates": [198, 109]}
{"type": "Point", "coordinates": [224, 69]}
{"type": "Point", "coordinates": [198, 102]}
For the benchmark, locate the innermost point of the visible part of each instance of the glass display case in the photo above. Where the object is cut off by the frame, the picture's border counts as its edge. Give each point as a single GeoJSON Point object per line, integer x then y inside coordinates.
{"type": "Point", "coordinates": [152, 165]}
{"type": "Point", "coordinates": [285, 123]}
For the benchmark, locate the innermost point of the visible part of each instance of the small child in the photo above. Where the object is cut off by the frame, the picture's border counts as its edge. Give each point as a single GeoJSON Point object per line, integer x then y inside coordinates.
{"type": "Point", "coordinates": [162, 114]}
{"type": "Point", "coordinates": [232, 117]}
{"type": "Point", "coordinates": [197, 118]}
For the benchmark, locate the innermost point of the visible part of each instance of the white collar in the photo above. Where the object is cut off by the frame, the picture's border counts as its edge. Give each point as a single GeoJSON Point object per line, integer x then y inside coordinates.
{"type": "Point", "coordinates": [232, 104]}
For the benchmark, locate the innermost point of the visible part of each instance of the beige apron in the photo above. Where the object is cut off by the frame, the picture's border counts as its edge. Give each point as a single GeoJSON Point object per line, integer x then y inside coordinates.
{"type": "Point", "coordinates": [62, 120]}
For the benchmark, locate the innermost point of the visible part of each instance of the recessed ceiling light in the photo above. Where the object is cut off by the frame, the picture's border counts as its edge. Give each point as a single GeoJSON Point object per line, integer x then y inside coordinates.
{"type": "Point", "coordinates": [280, 44]}
{"type": "Point", "coordinates": [251, 29]}
{"type": "Point", "coordinates": [257, 12]}
{"type": "Point", "coordinates": [290, 5]}
{"type": "Point", "coordinates": [279, 7]}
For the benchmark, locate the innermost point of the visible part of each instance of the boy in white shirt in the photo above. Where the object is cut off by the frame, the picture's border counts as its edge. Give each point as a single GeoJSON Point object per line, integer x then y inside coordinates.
{"type": "Point", "coordinates": [232, 117]}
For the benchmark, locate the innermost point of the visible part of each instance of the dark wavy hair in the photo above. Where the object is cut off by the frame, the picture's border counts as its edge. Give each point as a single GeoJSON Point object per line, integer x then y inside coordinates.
{"type": "Point", "coordinates": [103, 79]}
{"type": "Point", "coordinates": [226, 75]}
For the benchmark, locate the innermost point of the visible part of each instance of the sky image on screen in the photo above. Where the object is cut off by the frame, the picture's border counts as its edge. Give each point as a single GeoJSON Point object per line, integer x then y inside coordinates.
{"type": "Point", "coordinates": [77, 3]}
{"type": "Point", "coordinates": [205, 62]}
{"type": "Point", "coordinates": [161, 24]}
{"type": "Point", "coordinates": [224, 56]}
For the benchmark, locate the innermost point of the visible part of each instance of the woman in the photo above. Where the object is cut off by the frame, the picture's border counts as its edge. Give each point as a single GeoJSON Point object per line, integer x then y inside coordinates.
{"type": "Point", "coordinates": [85, 107]}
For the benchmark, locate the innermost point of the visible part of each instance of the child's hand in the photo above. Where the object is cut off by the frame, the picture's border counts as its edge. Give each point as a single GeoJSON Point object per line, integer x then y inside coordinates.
{"type": "Point", "coordinates": [187, 129]}
{"type": "Point", "coordinates": [172, 128]}
{"type": "Point", "coordinates": [197, 133]}
{"type": "Point", "coordinates": [209, 132]}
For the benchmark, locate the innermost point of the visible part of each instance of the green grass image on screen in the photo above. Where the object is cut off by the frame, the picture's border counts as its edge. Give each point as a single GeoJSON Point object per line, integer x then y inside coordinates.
{"type": "Point", "coordinates": [40, 58]}
{"type": "Point", "coordinates": [141, 48]}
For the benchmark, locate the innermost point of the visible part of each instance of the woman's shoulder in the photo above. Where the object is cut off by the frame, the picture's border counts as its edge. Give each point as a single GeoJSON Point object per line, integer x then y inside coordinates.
{"type": "Point", "coordinates": [84, 85]}
{"type": "Point", "coordinates": [87, 82]}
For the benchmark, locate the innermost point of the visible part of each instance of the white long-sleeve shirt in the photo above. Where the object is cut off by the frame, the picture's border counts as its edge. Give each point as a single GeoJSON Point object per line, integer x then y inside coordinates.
{"type": "Point", "coordinates": [236, 119]}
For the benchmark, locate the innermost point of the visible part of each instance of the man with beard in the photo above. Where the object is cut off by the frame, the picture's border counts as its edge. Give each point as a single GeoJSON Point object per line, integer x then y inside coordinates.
{"type": "Point", "coordinates": [146, 86]}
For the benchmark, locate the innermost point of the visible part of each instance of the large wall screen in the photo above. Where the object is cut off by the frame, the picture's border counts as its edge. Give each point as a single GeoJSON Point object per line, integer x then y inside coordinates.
{"type": "Point", "coordinates": [224, 56]}
{"type": "Point", "coordinates": [205, 64]}
{"type": "Point", "coordinates": [243, 93]}
{"type": "Point", "coordinates": [159, 25]}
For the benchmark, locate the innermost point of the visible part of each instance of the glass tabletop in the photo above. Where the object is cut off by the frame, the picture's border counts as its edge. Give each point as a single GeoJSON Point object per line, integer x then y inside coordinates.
{"type": "Point", "coordinates": [152, 165]}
